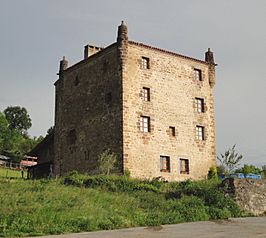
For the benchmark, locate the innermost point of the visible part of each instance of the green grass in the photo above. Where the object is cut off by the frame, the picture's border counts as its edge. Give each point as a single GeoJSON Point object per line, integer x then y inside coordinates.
{"type": "Point", "coordinates": [9, 173]}
{"type": "Point", "coordinates": [43, 207]}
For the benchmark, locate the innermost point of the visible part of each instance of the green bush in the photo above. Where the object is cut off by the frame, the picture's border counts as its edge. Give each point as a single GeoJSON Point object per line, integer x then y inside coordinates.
{"type": "Point", "coordinates": [110, 183]}
{"type": "Point", "coordinates": [212, 174]}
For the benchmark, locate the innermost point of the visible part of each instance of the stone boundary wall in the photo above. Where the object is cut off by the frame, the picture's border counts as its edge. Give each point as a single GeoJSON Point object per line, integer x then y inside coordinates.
{"type": "Point", "coordinates": [250, 194]}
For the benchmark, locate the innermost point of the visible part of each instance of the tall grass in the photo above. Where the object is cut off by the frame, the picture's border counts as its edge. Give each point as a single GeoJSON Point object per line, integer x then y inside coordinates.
{"type": "Point", "coordinates": [94, 203]}
{"type": "Point", "coordinates": [10, 173]}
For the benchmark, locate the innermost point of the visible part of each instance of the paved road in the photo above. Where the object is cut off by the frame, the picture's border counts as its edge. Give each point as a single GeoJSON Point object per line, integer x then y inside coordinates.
{"type": "Point", "coordinates": [251, 227]}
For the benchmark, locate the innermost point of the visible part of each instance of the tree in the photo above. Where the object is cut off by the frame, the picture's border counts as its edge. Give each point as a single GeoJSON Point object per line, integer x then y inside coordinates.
{"type": "Point", "coordinates": [14, 142]}
{"type": "Point", "coordinates": [230, 159]}
{"type": "Point", "coordinates": [18, 119]}
{"type": "Point", "coordinates": [107, 162]}
{"type": "Point", "coordinates": [249, 169]}
{"type": "Point", "coordinates": [4, 132]}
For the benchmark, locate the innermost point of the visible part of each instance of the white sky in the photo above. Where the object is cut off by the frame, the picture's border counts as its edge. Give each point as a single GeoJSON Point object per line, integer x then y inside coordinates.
{"type": "Point", "coordinates": [36, 34]}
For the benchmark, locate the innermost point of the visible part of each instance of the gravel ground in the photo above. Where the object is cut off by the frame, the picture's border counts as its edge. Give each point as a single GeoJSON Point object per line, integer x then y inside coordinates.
{"type": "Point", "coordinates": [250, 227]}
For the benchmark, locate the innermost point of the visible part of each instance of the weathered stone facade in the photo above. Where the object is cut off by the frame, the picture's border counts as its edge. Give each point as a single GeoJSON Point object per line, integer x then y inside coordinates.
{"type": "Point", "coordinates": [250, 194]}
{"type": "Point", "coordinates": [151, 107]}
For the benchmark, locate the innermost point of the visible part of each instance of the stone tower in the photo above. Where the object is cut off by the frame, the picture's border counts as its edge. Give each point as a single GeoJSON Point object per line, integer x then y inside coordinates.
{"type": "Point", "coordinates": [153, 108]}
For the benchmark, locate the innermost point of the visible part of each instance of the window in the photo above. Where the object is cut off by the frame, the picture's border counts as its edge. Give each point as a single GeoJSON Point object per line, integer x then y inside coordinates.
{"type": "Point", "coordinates": [200, 132]}
{"type": "Point", "coordinates": [71, 137]}
{"type": "Point", "coordinates": [164, 163]}
{"type": "Point", "coordinates": [197, 75]}
{"type": "Point", "coordinates": [108, 98]}
{"type": "Point", "coordinates": [184, 166]}
{"type": "Point", "coordinates": [199, 105]}
{"type": "Point", "coordinates": [76, 82]}
{"type": "Point", "coordinates": [145, 63]}
{"type": "Point", "coordinates": [144, 124]}
{"type": "Point", "coordinates": [146, 94]}
{"type": "Point", "coordinates": [172, 130]}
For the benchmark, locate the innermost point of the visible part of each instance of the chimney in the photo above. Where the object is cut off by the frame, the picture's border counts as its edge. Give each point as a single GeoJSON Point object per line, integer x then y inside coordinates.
{"type": "Point", "coordinates": [209, 57]}
{"type": "Point", "coordinates": [90, 50]}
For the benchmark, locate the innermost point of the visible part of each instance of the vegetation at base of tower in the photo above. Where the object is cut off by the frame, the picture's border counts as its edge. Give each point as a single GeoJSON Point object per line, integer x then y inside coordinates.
{"type": "Point", "coordinates": [212, 174]}
{"type": "Point", "coordinates": [89, 203]}
{"type": "Point", "coordinates": [107, 161]}
{"type": "Point", "coordinates": [14, 140]}
{"type": "Point", "coordinates": [230, 160]}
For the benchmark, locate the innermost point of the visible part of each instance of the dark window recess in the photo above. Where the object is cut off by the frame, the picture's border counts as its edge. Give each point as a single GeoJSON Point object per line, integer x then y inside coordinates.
{"type": "Point", "coordinates": [164, 163]}
{"type": "Point", "coordinates": [108, 98]}
{"type": "Point", "coordinates": [199, 104]}
{"type": "Point", "coordinates": [197, 75]}
{"type": "Point", "coordinates": [184, 166]}
{"type": "Point", "coordinates": [145, 63]}
{"type": "Point", "coordinates": [71, 137]}
{"type": "Point", "coordinates": [145, 124]}
{"type": "Point", "coordinates": [200, 133]}
{"type": "Point", "coordinates": [76, 82]}
{"type": "Point", "coordinates": [87, 154]}
{"type": "Point", "coordinates": [146, 94]}
{"type": "Point", "coordinates": [172, 130]}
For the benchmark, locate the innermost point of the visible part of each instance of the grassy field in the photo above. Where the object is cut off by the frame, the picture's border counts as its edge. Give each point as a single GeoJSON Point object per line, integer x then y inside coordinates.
{"type": "Point", "coordinates": [42, 207]}
{"type": "Point", "coordinates": [9, 173]}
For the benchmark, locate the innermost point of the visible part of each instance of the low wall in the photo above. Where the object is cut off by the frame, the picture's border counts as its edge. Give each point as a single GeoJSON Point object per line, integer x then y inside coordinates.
{"type": "Point", "coordinates": [250, 194]}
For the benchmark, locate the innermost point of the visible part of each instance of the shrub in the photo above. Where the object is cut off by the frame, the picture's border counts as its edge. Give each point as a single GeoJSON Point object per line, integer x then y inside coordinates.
{"type": "Point", "coordinates": [107, 162]}
{"type": "Point", "coordinates": [212, 174]}
{"type": "Point", "coordinates": [75, 178]}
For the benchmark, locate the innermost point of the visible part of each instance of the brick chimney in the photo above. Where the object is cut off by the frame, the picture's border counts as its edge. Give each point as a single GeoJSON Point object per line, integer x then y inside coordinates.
{"type": "Point", "coordinates": [90, 50]}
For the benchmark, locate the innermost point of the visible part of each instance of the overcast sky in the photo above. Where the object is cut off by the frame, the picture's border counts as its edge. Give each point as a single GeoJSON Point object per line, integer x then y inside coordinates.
{"type": "Point", "coordinates": [36, 34]}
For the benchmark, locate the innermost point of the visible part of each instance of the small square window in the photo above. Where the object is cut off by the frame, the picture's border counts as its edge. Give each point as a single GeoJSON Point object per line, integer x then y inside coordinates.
{"type": "Point", "coordinates": [145, 63]}
{"type": "Point", "coordinates": [172, 130]}
{"type": "Point", "coordinates": [197, 75]}
{"type": "Point", "coordinates": [164, 163]}
{"type": "Point", "coordinates": [184, 166]}
{"type": "Point", "coordinates": [144, 124]}
{"type": "Point", "coordinates": [146, 94]}
{"type": "Point", "coordinates": [199, 105]}
{"type": "Point", "coordinates": [200, 132]}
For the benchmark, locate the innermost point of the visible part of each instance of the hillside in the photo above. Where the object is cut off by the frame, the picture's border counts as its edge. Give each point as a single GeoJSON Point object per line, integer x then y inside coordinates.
{"type": "Point", "coordinates": [99, 203]}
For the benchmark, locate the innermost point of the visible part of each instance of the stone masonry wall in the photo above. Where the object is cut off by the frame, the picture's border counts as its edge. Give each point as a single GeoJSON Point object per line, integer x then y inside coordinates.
{"type": "Point", "coordinates": [88, 112]}
{"type": "Point", "coordinates": [250, 194]}
{"type": "Point", "coordinates": [173, 90]}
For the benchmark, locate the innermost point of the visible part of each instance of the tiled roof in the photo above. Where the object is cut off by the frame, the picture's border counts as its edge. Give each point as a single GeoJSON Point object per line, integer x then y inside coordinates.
{"type": "Point", "coordinates": [166, 51]}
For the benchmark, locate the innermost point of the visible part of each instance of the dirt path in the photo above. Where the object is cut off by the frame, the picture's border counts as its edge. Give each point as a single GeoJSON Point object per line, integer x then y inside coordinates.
{"type": "Point", "coordinates": [251, 227]}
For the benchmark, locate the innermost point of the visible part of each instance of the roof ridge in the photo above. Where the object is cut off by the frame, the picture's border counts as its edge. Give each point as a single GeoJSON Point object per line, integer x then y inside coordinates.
{"type": "Point", "coordinates": [166, 51]}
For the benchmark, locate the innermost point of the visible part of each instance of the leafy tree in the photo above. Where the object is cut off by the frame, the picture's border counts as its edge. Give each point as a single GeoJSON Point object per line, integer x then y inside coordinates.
{"type": "Point", "coordinates": [107, 162]}
{"type": "Point", "coordinates": [230, 159]}
{"type": "Point", "coordinates": [4, 132]}
{"type": "Point", "coordinates": [13, 141]}
{"type": "Point", "coordinates": [18, 119]}
{"type": "Point", "coordinates": [249, 169]}
{"type": "Point", "coordinates": [221, 171]}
